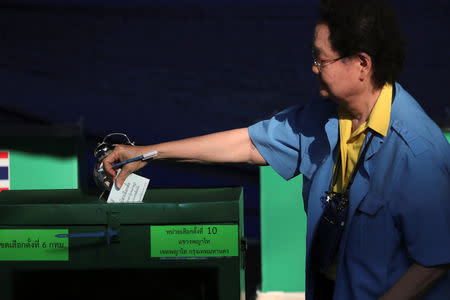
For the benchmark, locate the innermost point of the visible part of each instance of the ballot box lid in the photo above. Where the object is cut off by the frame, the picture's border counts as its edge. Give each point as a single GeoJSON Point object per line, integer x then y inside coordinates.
{"type": "Point", "coordinates": [160, 206]}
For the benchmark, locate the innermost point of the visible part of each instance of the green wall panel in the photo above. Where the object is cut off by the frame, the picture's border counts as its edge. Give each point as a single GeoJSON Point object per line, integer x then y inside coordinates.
{"type": "Point", "coordinates": [447, 135]}
{"type": "Point", "coordinates": [40, 171]}
{"type": "Point", "coordinates": [283, 233]}
{"type": "Point", "coordinates": [45, 160]}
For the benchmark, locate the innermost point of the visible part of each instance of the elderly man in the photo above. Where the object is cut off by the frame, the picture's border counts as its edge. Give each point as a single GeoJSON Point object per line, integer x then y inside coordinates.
{"type": "Point", "coordinates": [375, 167]}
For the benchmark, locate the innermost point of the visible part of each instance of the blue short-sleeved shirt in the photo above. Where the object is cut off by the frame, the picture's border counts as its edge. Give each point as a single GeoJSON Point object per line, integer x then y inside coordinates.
{"type": "Point", "coordinates": [399, 209]}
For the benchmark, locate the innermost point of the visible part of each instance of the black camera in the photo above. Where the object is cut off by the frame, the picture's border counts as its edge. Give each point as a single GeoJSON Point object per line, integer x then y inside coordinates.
{"type": "Point", "coordinates": [329, 230]}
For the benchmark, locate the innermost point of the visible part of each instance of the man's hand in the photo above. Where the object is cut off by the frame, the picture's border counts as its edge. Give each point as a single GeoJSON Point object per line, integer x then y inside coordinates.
{"type": "Point", "coordinates": [415, 282]}
{"type": "Point", "coordinates": [121, 153]}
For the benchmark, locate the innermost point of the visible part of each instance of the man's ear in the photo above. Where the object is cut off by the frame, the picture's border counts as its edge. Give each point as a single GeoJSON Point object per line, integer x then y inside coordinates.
{"type": "Point", "coordinates": [365, 61]}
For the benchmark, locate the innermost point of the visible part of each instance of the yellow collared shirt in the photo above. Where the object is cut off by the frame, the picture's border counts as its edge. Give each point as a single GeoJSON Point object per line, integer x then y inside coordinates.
{"type": "Point", "coordinates": [351, 143]}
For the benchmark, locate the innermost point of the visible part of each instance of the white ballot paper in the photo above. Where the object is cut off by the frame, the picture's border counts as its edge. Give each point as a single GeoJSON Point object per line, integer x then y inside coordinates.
{"type": "Point", "coordinates": [132, 190]}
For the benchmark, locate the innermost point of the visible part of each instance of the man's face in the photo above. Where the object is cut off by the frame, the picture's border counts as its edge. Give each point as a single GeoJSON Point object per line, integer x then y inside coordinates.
{"type": "Point", "coordinates": [338, 80]}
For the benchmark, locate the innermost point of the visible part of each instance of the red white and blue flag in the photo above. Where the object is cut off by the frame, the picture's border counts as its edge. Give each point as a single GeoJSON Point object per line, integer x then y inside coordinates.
{"type": "Point", "coordinates": [4, 171]}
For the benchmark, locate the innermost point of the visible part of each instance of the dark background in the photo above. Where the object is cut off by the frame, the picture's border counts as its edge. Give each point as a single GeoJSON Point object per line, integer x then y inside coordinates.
{"type": "Point", "coordinates": [164, 70]}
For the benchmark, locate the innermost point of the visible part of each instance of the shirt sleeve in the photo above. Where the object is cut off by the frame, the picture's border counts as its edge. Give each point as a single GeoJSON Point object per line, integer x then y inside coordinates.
{"type": "Point", "coordinates": [423, 206]}
{"type": "Point", "coordinates": [278, 141]}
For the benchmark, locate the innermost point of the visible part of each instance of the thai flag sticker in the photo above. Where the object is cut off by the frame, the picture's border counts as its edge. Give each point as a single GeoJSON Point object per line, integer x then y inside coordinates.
{"type": "Point", "coordinates": [4, 171]}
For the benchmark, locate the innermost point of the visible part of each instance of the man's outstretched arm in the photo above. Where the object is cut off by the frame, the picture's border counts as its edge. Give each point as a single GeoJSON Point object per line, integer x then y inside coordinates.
{"type": "Point", "coordinates": [232, 146]}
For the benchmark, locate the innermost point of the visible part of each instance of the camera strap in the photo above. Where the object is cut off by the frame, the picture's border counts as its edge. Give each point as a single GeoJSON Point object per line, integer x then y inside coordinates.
{"type": "Point", "coordinates": [338, 167]}
{"type": "Point", "coordinates": [331, 224]}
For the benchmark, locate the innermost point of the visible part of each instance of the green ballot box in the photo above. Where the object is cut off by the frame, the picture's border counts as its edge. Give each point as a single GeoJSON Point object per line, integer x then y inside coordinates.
{"type": "Point", "coordinates": [177, 244]}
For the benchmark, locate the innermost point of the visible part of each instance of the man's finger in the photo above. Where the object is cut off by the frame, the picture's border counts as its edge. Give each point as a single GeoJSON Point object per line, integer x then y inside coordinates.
{"type": "Point", "coordinates": [121, 178]}
{"type": "Point", "coordinates": [110, 172]}
{"type": "Point", "coordinates": [107, 164]}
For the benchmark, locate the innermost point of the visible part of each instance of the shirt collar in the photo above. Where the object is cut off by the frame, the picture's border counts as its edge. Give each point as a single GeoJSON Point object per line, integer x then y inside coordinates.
{"type": "Point", "coordinates": [381, 111]}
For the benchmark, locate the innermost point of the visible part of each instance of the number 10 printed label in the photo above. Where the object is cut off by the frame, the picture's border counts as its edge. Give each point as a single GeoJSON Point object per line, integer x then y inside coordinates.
{"type": "Point", "coordinates": [194, 240]}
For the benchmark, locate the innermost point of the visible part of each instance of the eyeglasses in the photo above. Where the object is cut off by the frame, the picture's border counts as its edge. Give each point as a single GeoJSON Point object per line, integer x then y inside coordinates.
{"type": "Point", "coordinates": [320, 64]}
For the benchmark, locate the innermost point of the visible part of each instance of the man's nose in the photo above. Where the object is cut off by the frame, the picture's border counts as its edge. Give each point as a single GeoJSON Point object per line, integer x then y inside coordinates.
{"type": "Point", "coordinates": [315, 69]}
